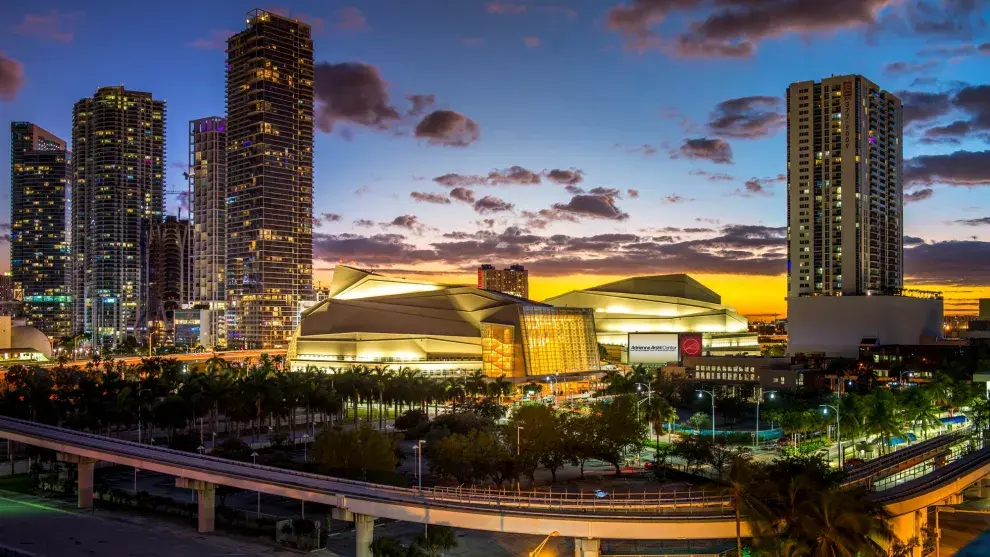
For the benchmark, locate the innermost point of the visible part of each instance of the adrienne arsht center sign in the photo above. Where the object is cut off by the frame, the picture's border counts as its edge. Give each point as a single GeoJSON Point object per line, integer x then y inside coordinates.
{"type": "Point", "coordinates": [653, 348]}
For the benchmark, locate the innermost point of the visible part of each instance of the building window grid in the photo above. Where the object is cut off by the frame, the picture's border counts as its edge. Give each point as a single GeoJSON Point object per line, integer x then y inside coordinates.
{"type": "Point", "coordinates": [497, 350]}
{"type": "Point", "coordinates": [558, 340]}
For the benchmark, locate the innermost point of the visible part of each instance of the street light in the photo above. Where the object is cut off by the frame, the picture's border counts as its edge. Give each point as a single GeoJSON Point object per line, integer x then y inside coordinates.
{"type": "Point", "coordinates": [838, 428]}
{"type": "Point", "coordinates": [305, 437]}
{"type": "Point", "coordinates": [519, 428]}
{"type": "Point", "coordinates": [539, 548]}
{"type": "Point", "coordinates": [254, 458]}
{"type": "Point", "coordinates": [649, 390]}
{"type": "Point", "coordinates": [701, 394]}
{"type": "Point", "coordinates": [418, 447]}
{"type": "Point", "coordinates": [759, 399]}
{"type": "Point", "coordinates": [900, 377]}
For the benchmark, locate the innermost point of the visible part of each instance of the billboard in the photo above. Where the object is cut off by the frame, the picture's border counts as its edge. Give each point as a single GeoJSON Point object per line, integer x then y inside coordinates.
{"type": "Point", "coordinates": [690, 344]}
{"type": "Point", "coordinates": [653, 348]}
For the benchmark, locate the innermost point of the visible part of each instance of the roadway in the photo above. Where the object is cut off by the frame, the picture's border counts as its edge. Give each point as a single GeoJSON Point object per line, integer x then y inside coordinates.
{"type": "Point", "coordinates": [667, 515]}
{"type": "Point", "coordinates": [192, 357]}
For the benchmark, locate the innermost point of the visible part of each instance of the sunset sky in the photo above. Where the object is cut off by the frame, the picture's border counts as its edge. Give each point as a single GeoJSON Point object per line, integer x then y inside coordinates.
{"type": "Point", "coordinates": [586, 139]}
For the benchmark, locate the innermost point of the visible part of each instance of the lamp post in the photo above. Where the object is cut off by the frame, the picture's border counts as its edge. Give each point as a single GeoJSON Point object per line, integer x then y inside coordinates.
{"type": "Point", "coordinates": [838, 427]}
{"type": "Point", "coordinates": [418, 448]}
{"type": "Point", "coordinates": [649, 391]}
{"type": "Point", "coordinates": [701, 394]}
{"type": "Point", "coordinates": [254, 459]}
{"type": "Point", "coordinates": [900, 377]}
{"type": "Point", "coordinates": [140, 426]}
{"type": "Point", "coordinates": [539, 548]}
{"type": "Point", "coordinates": [759, 399]}
{"type": "Point", "coordinates": [519, 428]}
{"type": "Point", "coordinates": [305, 438]}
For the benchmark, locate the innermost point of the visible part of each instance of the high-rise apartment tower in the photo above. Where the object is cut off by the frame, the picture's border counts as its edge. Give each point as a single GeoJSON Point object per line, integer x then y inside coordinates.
{"type": "Point", "coordinates": [208, 212]}
{"type": "Point", "coordinates": [269, 178]}
{"type": "Point", "coordinates": [844, 187]}
{"type": "Point", "coordinates": [513, 281]}
{"type": "Point", "coordinates": [118, 144]}
{"type": "Point", "coordinates": [39, 251]}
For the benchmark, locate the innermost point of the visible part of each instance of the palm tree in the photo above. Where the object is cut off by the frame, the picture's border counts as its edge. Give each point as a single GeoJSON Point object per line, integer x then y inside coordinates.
{"type": "Point", "coordinates": [744, 492]}
{"type": "Point", "coordinates": [883, 417]}
{"type": "Point", "coordinates": [660, 412]}
{"type": "Point", "coordinates": [841, 524]}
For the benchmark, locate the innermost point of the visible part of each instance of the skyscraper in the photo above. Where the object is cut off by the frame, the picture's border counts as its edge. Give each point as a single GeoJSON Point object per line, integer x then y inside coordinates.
{"type": "Point", "coordinates": [513, 281]}
{"type": "Point", "coordinates": [844, 187]}
{"type": "Point", "coordinates": [118, 142]}
{"type": "Point", "coordinates": [170, 268]}
{"type": "Point", "coordinates": [208, 183]}
{"type": "Point", "coordinates": [39, 252]}
{"type": "Point", "coordinates": [269, 178]}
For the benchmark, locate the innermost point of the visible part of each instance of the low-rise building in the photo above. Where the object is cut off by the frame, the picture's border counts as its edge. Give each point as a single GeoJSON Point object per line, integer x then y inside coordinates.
{"type": "Point", "coordinates": [374, 320]}
{"type": "Point", "coordinates": [769, 373]}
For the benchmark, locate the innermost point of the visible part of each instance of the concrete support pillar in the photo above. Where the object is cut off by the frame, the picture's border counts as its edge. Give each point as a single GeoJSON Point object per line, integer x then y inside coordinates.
{"type": "Point", "coordinates": [84, 470]}
{"type": "Point", "coordinates": [206, 502]}
{"type": "Point", "coordinates": [364, 529]}
{"type": "Point", "coordinates": [908, 526]}
{"type": "Point", "coordinates": [587, 547]}
{"type": "Point", "coordinates": [984, 488]}
{"type": "Point", "coordinates": [364, 533]}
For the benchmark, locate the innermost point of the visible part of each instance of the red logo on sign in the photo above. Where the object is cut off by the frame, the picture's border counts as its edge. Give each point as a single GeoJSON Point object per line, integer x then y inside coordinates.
{"type": "Point", "coordinates": [690, 345]}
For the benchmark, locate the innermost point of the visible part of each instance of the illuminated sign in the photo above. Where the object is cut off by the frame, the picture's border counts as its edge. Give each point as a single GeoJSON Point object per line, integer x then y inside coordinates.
{"type": "Point", "coordinates": [690, 344]}
{"type": "Point", "coordinates": [653, 348]}
{"type": "Point", "coordinates": [847, 93]}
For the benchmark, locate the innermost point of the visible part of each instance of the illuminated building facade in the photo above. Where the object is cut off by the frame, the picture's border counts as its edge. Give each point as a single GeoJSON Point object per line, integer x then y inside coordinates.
{"type": "Point", "coordinates": [269, 178]}
{"type": "Point", "coordinates": [662, 304]}
{"type": "Point", "coordinates": [208, 213]}
{"type": "Point", "coordinates": [40, 170]}
{"type": "Point", "coordinates": [844, 188]}
{"type": "Point", "coordinates": [513, 281]}
{"type": "Point", "coordinates": [374, 320]}
{"type": "Point", "coordinates": [118, 187]}
{"type": "Point", "coordinates": [170, 268]}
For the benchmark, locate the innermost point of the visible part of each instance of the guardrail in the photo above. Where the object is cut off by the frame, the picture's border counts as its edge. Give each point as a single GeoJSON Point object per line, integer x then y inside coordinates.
{"type": "Point", "coordinates": [870, 470]}
{"type": "Point", "coordinates": [707, 503]}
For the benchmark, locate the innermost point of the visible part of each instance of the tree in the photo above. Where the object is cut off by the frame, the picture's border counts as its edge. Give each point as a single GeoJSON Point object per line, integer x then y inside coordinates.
{"type": "Point", "coordinates": [354, 452]}
{"type": "Point", "coordinates": [883, 417]}
{"type": "Point", "coordinates": [699, 421]}
{"type": "Point", "coordinates": [436, 540]}
{"type": "Point", "coordinates": [744, 492]}
{"type": "Point", "coordinates": [617, 430]}
{"type": "Point", "coordinates": [411, 420]}
{"type": "Point", "coordinates": [544, 436]}
{"type": "Point", "coordinates": [659, 411]}
{"type": "Point", "coordinates": [387, 546]}
{"type": "Point", "coordinates": [694, 449]}
{"type": "Point", "coordinates": [468, 458]}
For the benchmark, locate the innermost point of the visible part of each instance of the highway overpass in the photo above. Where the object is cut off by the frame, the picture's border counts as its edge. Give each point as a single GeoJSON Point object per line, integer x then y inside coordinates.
{"type": "Point", "coordinates": [679, 515]}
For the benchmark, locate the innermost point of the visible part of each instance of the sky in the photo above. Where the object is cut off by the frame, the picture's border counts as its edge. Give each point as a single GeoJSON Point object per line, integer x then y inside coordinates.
{"type": "Point", "coordinates": [587, 139]}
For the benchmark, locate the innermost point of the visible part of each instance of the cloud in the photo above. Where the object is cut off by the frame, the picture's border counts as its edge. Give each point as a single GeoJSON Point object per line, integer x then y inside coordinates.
{"type": "Point", "coordinates": [52, 25]}
{"type": "Point", "coordinates": [982, 221]}
{"type": "Point", "coordinates": [491, 204]}
{"type": "Point", "coordinates": [645, 150]}
{"type": "Point", "coordinates": [961, 263]}
{"type": "Point", "coordinates": [674, 199]}
{"type": "Point", "coordinates": [565, 177]}
{"type": "Point", "coordinates": [607, 192]}
{"type": "Point", "coordinates": [506, 8]}
{"type": "Point", "coordinates": [409, 222]}
{"type": "Point", "coordinates": [351, 92]}
{"type": "Point", "coordinates": [752, 187]}
{"type": "Point", "coordinates": [902, 68]}
{"type": "Point", "coordinates": [592, 206]}
{"type": "Point", "coordinates": [747, 117]}
{"type": "Point", "coordinates": [922, 107]}
{"type": "Point", "coordinates": [326, 218]}
{"type": "Point", "coordinates": [712, 176]}
{"type": "Point", "coordinates": [632, 193]}
{"type": "Point", "coordinates": [514, 175]}
{"type": "Point", "coordinates": [918, 195]}
{"type": "Point", "coordinates": [531, 41]}
{"type": "Point", "coordinates": [715, 150]}
{"type": "Point", "coordinates": [362, 190]}
{"type": "Point", "coordinates": [11, 78]}
{"type": "Point", "coordinates": [367, 251]}
{"type": "Point", "coordinates": [351, 19]}
{"type": "Point", "coordinates": [420, 104]}
{"type": "Point", "coordinates": [216, 40]}
{"type": "Point", "coordinates": [462, 194]}
{"type": "Point", "coordinates": [435, 198]}
{"type": "Point", "coordinates": [448, 128]}
{"type": "Point", "coordinates": [961, 168]}
{"type": "Point", "coordinates": [911, 241]}
{"type": "Point", "coordinates": [364, 223]}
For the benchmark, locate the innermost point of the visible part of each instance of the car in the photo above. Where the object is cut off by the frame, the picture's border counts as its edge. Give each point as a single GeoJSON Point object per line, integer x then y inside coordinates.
{"type": "Point", "coordinates": [601, 494]}
{"type": "Point", "coordinates": [650, 464]}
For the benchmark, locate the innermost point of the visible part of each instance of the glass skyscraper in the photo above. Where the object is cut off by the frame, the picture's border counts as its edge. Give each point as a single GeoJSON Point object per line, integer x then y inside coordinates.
{"type": "Point", "coordinates": [39, 250]}
{"type": "Point", "coordinates": [269, 178]}
{"type": "Point", "coordinates": [118, 142]}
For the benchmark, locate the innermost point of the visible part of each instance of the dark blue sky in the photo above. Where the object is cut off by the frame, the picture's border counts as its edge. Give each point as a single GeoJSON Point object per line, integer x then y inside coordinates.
{"type": "Point", "coordinates": [612, 88]}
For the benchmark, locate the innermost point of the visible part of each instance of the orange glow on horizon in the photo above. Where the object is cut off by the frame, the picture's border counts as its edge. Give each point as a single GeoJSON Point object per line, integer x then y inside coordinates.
{"type": "Point", "coordinates": [750, 295]}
